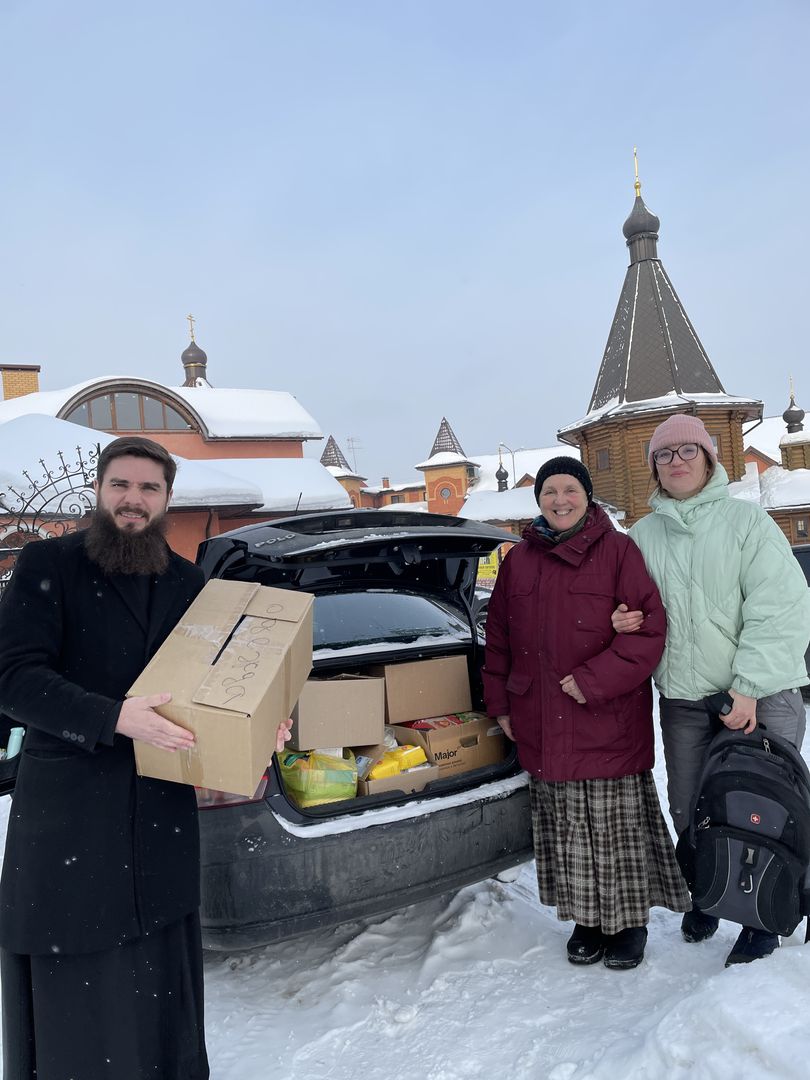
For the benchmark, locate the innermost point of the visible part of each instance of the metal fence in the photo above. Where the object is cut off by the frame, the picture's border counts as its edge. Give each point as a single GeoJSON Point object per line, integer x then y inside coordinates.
{"type": "Point", "coordinates": [47, 503]}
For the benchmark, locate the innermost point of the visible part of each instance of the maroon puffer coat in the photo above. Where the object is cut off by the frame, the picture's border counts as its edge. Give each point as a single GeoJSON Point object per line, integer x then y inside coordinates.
{"type": "Point", "coordinates": [549, 617]}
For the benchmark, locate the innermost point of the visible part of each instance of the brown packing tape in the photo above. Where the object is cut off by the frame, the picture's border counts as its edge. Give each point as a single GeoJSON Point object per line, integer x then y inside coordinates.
{"type": "Point", "coordinates": [191, 766]}
{"type": "Point", "coordinates": [221, 600]}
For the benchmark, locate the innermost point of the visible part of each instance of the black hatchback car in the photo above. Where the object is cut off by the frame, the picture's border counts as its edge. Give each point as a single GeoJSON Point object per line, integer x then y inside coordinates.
{"type": "Point", "coordinates": [388, 586]}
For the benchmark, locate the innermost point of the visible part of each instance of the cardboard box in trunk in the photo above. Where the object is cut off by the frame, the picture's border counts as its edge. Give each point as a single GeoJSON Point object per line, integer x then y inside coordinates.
{"type": "Point", "coordinates": [459, 747]}
{"type": "Point", "coordinates": [235, 665]}
{"type": "Point", "coordinates": [405, 782]}
{"type": "Point", "coordinates": [425, 688]}
{"type": "Point", "coordinates": [347, 710]}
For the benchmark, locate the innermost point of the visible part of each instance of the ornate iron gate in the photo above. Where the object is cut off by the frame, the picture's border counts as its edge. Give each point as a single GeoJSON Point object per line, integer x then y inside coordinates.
{"type": "Point", "coordinates": [47, 504]}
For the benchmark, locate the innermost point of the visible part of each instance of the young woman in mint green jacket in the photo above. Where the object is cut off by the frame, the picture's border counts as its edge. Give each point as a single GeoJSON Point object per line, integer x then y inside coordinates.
{"type": "Point", "coordinates": [738, 617]}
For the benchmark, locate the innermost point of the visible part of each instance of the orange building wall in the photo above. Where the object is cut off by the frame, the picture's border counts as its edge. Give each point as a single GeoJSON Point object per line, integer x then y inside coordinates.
{"type": "Point", "coordinates": [376, 500]}
{"type": "Point", "coordinates": [353, 487]}
{"type": "Point", "coordinates": [456, 481]}
{"type": "Point", "coordinates": [386, 498]}
{"type": "Point", "coordinates": [191, 444]}
{"type": "Point", "coordinates": [185, 530]}
{"type": "Point", "coordinates": [761, 463]}
{"type": "Point", "coordinates": [188, 528]}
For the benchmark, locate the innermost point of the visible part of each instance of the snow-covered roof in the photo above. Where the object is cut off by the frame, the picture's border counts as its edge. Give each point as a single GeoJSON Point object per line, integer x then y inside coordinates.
{"type": "Point", "coordinates": [775, 488]}
{"type": "Point", "coordinates": [343, 474]}
{"type": "Point", "coordinates": [34, 443]}
{"type": "Point", "coordinates": [526, 462]}
{"type": "Point", "coordinates": [410, 485]}
{"type": "Point", "coordinates": [418, 507]}
{"type": "Point", "coordinates": [748, 487]}
{"type": "Point", "coordinates": [445, 457]}
{"type": "Point", "coordinates": [270, 485]}
{"type": "Point", "coordinates": [288, 484]}
{"type": "Point", "coordinates": [222, 412]}
{"type": "Point", "coordinates": [249, 414]}
{"type": "Point", "coordinates": [792, 437]}
{"type": "Point", "coordinates": [765, 437]}
{"type": "Point", "coordinates": [516, 504]}
{"type": "Point", "coordinates": [784, 488]}
{"type": "Point", "coordinates": [669, 402]}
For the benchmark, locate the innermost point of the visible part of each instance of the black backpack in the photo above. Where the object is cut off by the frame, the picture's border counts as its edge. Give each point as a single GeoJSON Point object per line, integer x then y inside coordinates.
{"type": "Point", "coordinates": [746, 852]}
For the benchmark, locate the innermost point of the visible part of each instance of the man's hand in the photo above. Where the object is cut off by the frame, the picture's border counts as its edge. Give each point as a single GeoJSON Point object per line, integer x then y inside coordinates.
{"type": "Point", "coordinates": [283, 735]}
{"type": "Point", "coordinates": [625, 621]}
{"type": "Point", "coordinates": [138, 720]}
{"type": "Point", "coordinates": [506, 724]}
{"type": "Point", "coordinates": [569, 686]}
{"type": "Point", "coordinates": [743, 715]}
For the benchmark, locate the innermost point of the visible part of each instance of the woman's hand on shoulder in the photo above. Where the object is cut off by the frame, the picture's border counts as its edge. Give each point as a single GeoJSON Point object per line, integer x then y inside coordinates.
{"type": "Point", "coordinates": [626, 621]}
{"type": "Point", "coordinates": [743, 715]}
{"type": "Point", "coordinates": [506, 725]}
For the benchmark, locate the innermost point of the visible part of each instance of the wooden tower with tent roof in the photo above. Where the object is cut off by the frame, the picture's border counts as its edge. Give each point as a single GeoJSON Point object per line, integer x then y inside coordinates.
{"type": "Point", "coordinates": [653, 366]}
{"type": "Point", "coordinates": [448, 472]}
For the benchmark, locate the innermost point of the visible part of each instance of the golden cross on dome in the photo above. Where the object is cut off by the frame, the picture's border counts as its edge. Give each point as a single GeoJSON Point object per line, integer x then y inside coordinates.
{"type": "Point", "coordinates": [191, 325]}
{"type": "Point", "coordinates": [637, 184]}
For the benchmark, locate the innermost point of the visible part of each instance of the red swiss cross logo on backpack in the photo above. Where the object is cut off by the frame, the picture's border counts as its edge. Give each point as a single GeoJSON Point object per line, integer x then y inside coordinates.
{"type": "Point", "coordinates": [755, 819]}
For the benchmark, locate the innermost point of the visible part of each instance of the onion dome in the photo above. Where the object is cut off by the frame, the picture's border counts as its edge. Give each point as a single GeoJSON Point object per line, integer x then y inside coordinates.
{"type": "Point", "coordinates": [641, 220]}
{"type": "Point", "coordinates": [501, 475]}
{"type": "Point", "coordinates": [793, 416]}
{"type": "Point", "coordinates": [194, 363]}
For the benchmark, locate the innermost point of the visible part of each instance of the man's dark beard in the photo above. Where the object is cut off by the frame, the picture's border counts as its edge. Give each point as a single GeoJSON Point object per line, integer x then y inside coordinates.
{"type": "Point", "coordinates": [118, 551]}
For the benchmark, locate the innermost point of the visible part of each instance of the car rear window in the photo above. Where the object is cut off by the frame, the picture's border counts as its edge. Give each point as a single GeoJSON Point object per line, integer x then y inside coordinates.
{"type": "Point", "coordinates": [361, 619]}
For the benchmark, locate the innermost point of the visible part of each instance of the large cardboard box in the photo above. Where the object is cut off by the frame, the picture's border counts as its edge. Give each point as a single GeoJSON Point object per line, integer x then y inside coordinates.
{"type": "Point", "coordinates": [405, 782]}
{"type": "Point", "coordinates": [459, 748]}
{"type": "Point", "coordinates": [235, 665]}
{"type": "Point", "coordinates": [347, 710]}
{"type": "Point", "coordinates": [425, 688]}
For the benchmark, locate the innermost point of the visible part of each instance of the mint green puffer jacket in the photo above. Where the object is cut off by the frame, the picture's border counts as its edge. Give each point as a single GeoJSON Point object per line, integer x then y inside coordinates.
{"type": "Point", "coordinates": [737, 603]}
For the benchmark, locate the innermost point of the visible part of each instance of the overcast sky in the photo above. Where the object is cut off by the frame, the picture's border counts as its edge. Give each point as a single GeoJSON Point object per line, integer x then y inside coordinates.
{"type": "Point", "coordinates": [400, 210]}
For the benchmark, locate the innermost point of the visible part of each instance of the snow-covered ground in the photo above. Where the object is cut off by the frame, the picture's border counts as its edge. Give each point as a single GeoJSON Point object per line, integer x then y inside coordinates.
{"type": "Point", "coordinates": [476, 985]}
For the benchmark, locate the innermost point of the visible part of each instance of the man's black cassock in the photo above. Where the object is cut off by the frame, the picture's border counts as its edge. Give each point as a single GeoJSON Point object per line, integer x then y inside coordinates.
{"type": "Point", "coordinates": [96, 856]}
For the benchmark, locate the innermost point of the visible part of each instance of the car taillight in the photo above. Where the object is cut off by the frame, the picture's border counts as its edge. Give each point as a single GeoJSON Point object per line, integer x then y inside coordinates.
{"type": "Point", "coordinates": [209, 798]}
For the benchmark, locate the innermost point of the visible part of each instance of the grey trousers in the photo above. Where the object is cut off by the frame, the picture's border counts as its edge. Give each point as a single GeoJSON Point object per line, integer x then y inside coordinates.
{"type": "Point", "coordinates": [687, 729]}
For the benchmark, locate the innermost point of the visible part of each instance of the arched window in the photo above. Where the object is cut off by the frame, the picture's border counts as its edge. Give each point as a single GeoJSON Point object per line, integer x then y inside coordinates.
{"type": "Point", "coordinates": [128, 411]}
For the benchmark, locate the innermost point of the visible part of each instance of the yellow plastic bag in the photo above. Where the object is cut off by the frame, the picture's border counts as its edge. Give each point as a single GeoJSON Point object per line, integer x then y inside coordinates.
{"type": "Point", "coordinates": [313, 778]}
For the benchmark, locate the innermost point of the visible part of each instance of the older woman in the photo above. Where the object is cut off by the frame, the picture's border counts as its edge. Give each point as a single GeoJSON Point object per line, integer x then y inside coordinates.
{"type": "Point", "coordinates": [577, 700]}
{"type": "Point", "coordinates": [738, 612]}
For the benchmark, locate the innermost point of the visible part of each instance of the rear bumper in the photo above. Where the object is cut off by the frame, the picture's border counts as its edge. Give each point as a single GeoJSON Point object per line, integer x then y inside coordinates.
{"type": "Point", "coordinates": [264, 882]}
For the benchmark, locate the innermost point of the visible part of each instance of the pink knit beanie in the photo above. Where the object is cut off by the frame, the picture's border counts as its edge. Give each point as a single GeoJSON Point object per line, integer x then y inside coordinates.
{"type": "Point", "coordinates": [678, 429]}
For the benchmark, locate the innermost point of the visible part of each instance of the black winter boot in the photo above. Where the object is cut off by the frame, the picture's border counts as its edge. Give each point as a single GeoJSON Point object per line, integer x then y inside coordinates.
{"type": "Point", "coordinates": [696, 925]}
{"type": "Point", "coordinates": [586, 945]}
{"type": "Point", "coordinates": [752, 945]}
{"type": "Point", "coordinates": [625, 949]}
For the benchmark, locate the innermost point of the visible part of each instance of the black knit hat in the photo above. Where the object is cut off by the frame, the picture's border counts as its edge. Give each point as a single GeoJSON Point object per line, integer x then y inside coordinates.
{"type": "Point", "coordinates": [567, 466]}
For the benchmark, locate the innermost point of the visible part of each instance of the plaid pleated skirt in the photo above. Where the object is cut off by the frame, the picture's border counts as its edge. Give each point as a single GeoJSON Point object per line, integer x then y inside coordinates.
{"type": "Point", "coordinates": [603, 851]}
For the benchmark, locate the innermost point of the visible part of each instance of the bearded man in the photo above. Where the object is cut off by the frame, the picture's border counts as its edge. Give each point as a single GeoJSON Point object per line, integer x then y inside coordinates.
{"type": "Point", "coordinates": [99, 930]}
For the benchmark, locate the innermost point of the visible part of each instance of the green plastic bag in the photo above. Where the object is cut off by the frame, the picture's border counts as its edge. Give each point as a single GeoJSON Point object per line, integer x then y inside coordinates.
{"type": "Point", "coordinates": [312, 778]}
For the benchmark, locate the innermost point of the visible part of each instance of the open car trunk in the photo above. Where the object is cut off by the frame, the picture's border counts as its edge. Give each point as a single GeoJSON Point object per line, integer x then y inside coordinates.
{"type": "Point", "coordinates": [391, 588]}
